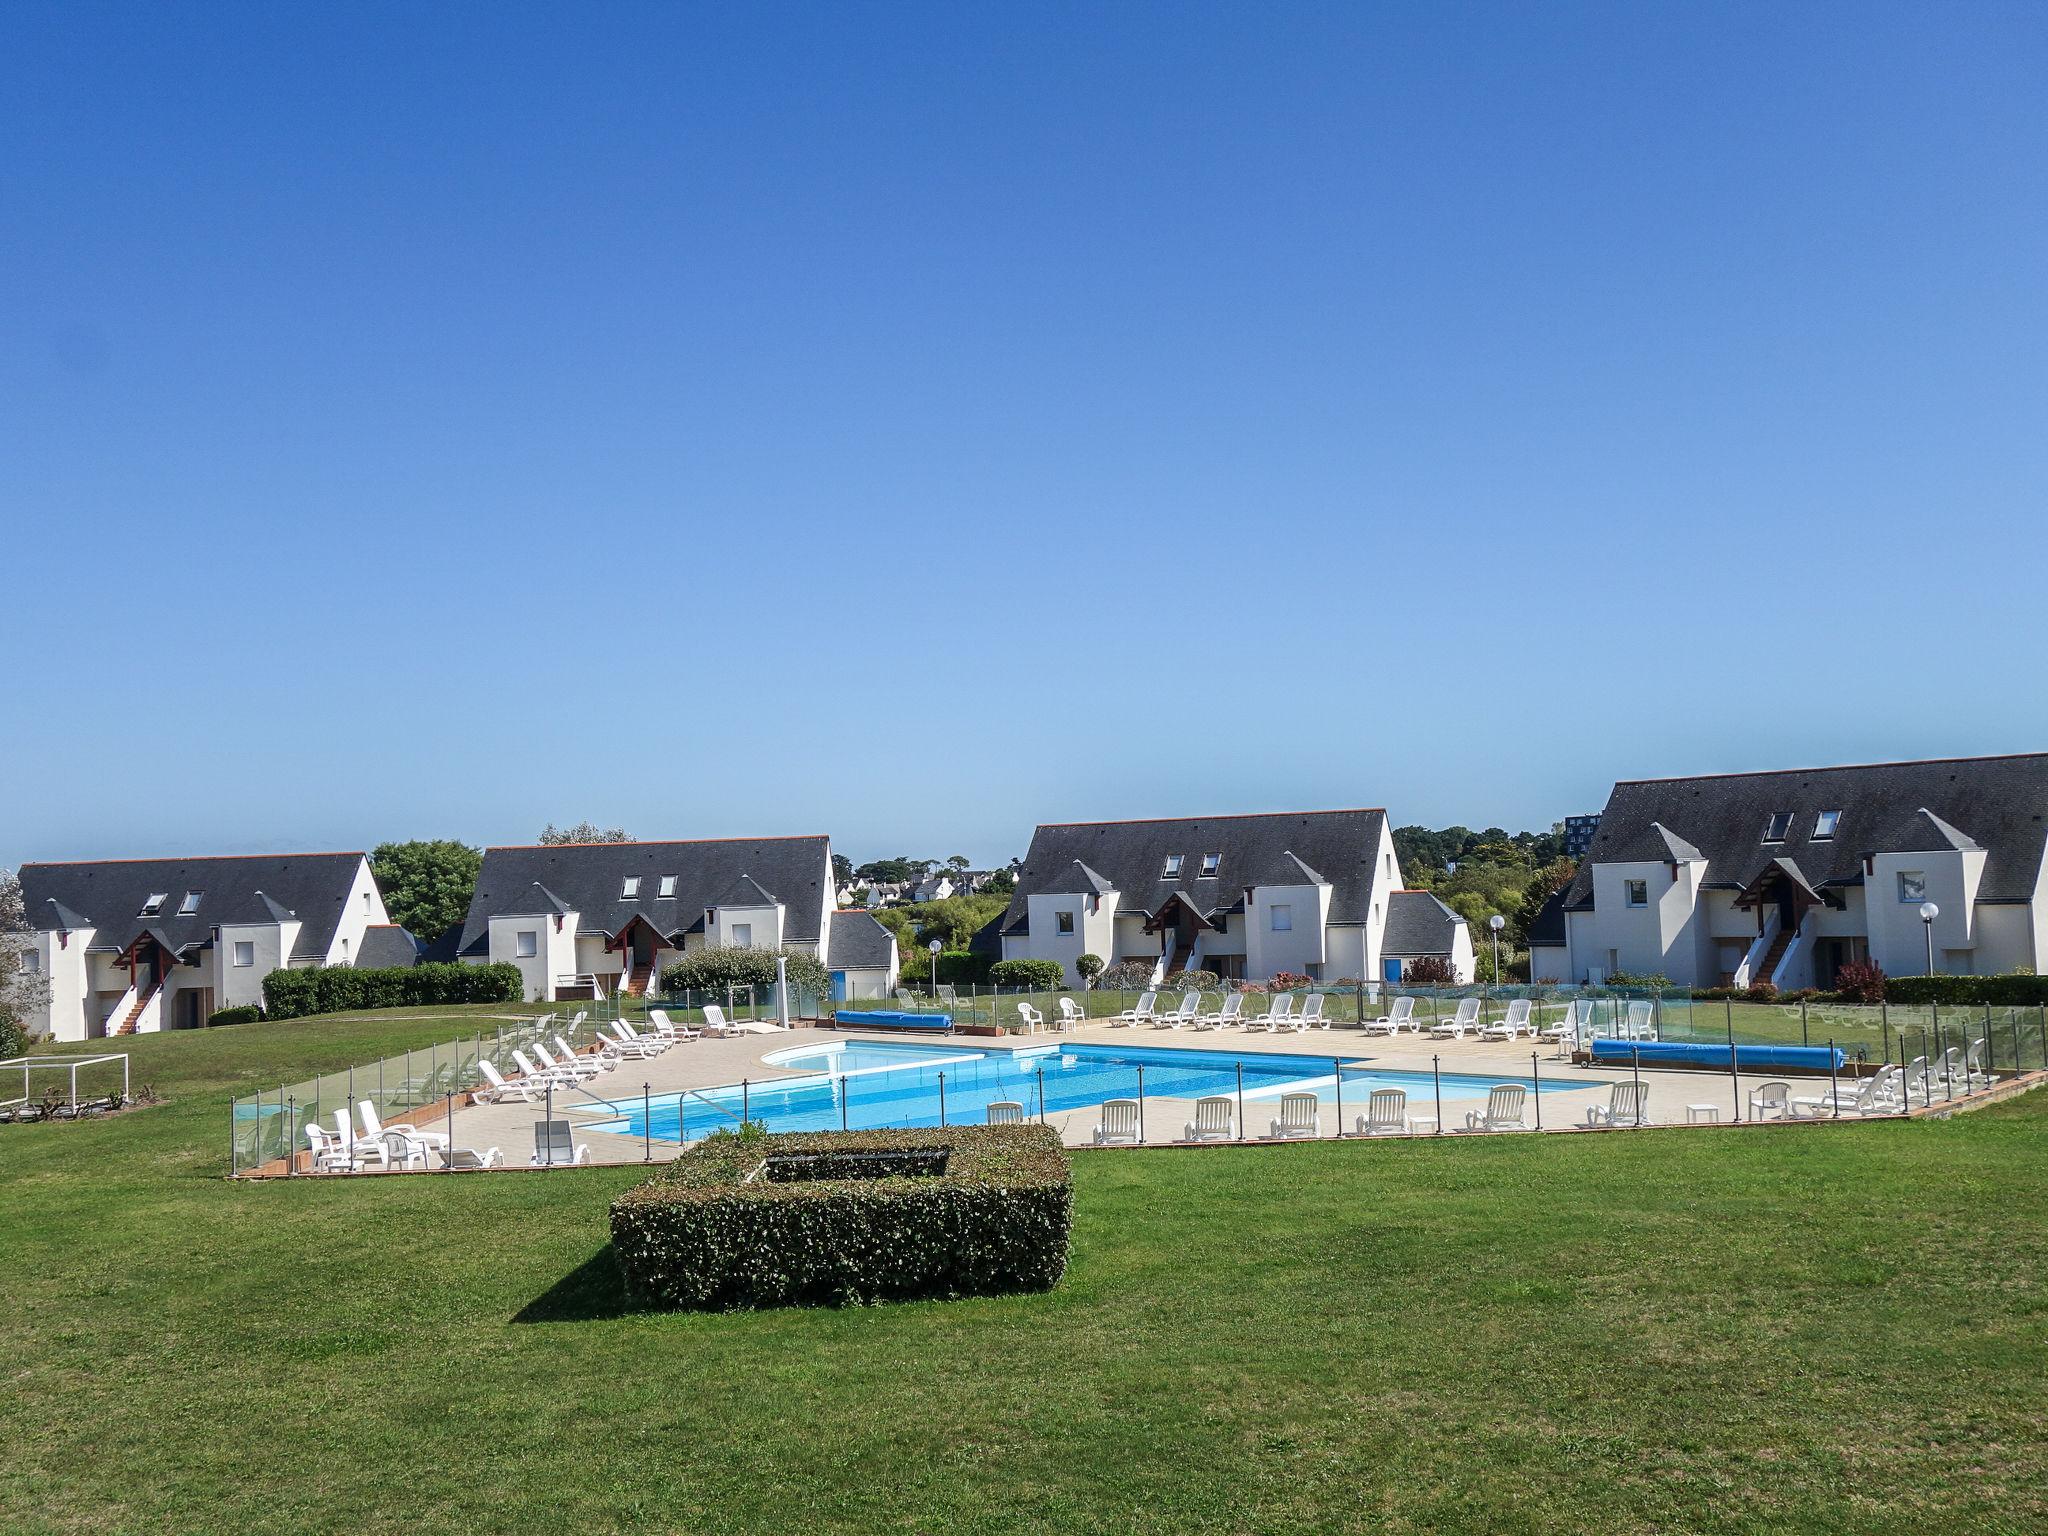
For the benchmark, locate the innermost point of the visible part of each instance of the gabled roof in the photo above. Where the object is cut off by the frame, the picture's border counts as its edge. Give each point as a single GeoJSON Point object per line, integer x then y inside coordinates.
{"type": "Point", "coordinates": [859, 942]}
{"type": "Point", "coordinates": [1676, 847]}
{"type": "Point", "coordinates": [1548, 926]}
{"type": "Point", "coordinates": [589, 879]}
{"type": "Point", "coordinates": [1996, 803]}
{"type": "Point", "coordinates": [1335, 848]}
{"type": "Point", "coordinates": [1419, 924]}
{"type": "Point", "coordinates": [59, 918]}
{"type": "Point", "coordinates": [745, 892]}
{"type": "Point", "coordinates": [109, 896]}
{"type": "Point", "coordinates": [386, 945]}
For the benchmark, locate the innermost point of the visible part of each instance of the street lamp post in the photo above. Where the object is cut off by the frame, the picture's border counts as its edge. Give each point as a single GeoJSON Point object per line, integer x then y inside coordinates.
{"type": "Point", "coordinates": [933, 949]}
{"type": "Point", "coordinates": [1928, 913]}
{"type": "Point", "coordinates": [1496, 923]}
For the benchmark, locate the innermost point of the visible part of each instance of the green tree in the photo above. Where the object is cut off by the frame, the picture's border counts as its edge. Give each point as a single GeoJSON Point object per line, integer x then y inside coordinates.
{"type": "Point", "coordinates": [715, 969]}
{"type": "Point", "coordinates": [842, 869]}
{"type": "Point", "coordinates": [427, 885]}
{"type": "Point", "coordinates": [1090, 967]}
{"type": "Point", "coordinates": [957, 863]}
{"type": "Point", "coordinates": [23, 993]}
{"type": "Point", "coordinates": [1001, 883]}
{"type": "Point", "coordinates": [583, 832]}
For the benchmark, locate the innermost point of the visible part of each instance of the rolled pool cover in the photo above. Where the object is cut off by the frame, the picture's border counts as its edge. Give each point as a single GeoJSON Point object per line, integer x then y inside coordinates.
{"type": "Point", "coordinates": [861, 1018]}
{"type": "Point", "coordinates": [1687, 1053]}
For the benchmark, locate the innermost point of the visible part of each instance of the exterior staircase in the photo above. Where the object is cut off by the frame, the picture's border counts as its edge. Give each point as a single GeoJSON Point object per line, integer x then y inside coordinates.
{"type": "Point", "coordinates": [1769, 965]}
{"type": "Point", "coordinates": [639, 978]}
{"type": "Point", "coordinates": [127, 1025]}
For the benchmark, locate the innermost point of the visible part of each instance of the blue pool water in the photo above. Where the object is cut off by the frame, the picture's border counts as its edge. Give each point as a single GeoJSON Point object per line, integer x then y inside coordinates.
{"type": "Point", "coordinates": [896, 1083]}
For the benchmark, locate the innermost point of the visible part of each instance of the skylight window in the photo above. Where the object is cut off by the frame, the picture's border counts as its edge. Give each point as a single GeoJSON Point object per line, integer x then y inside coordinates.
{"type": "Point", "coordinates": [1172, 870]}
{"type": "Point", "coordinates": [1825, 823]}
{"type": "Point", "coordinates": [190, 904]}
{"type": "Point", "coordinates": [1211, 862]}
{"type": "Point", "coordinates": [1776, 828]}
{"type": "Point", "coordinates": [632, 888]}
{"type": "Point", "coordinates": [155, 904]}
{"type": "Point", "coordinates": [668, 887]}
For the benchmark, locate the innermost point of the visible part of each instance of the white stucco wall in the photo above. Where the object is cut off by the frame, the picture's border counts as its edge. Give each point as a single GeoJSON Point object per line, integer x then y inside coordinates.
{"type": "Point", "coordinates": [554, 950]}
{"type": "Point", "coordinates": [239, 986]}
{"type": "Point", "coordinates": [69, 1013]}
{"type": "Point", "coordinates": [1898, 938]}
{"type": "Point", "coordinates": [1302, 946]}
{"type": "Point", "coordinates": [1095, 929]}
{"type": "Point", "coordinates": [763, 922]}
{"type": "Point", "coordinates": [1548, 962]}
{"type": "Point", "coordinates": [363, 907]}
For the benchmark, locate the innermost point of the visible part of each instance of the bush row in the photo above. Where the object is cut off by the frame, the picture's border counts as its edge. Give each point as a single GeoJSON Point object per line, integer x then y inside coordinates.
{"type": "Point", "coordinates": [1033, 975]}
{"type": "Point", "coordinates": [340, 989]}
{"type": "Point", "coordinates": [247, 1013]}
{"type": "Point", "coordinates": [702, 1234]}
{"type": "Point", "coordinates": [718, 967]}
{"type": "Point", "coordinates": [2008, 991]}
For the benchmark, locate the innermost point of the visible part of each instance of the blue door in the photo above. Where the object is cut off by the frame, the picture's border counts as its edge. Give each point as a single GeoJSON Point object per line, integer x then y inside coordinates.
{"type": "Point", "coordinates": [839, 986]}
{"type": "Point", "coordinates": [1390, 969]}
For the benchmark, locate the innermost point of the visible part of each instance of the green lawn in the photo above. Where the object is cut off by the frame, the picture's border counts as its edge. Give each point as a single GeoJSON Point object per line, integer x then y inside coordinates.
{"type": "Point", "coordinates": [1840, 1329]}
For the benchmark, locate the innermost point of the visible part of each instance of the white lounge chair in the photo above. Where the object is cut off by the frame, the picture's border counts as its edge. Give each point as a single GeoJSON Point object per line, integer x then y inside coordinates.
{"type": "Point", "coordinates": [1460, 1024]}
{"type": "Point", "coordinates": [1921, 1086]}
{"type": "Point", "coordinates": [1397, 1018]}
{"type": "Point", "coordinates": [1575, 1026]}
{"type": "Point", "coordinates": [1951, 1072]}
{"type": "Point", "coordinates": [1975, 1073]}
{"type": "Point", "coordinates": [1029, 1019]}
{"type": "Point", "coordinates": [1139, 1014]}
{"type": "Point", "coordinates": [948, 996]}
{"type": "Point", "coordinates": [1279, 1015]}
{"type": "Point", "coordinates": [468, 1159]}
{"type": "Point", "coordinates": [1072, 1015]}
{"type": "Point", "coordinates": [579, 1069]}
{"type": "Point", "coordinates": [903, 1000]}
{"type": "Point", "coordinates": [1006, 1112]}
{"type": "Point", "coordinates": [1119, 1124]}
{"type": "Point", "coordinates": [406, 1141]}
{"type": "Point", "coordinates": [652, 1040]}
{"type": "Point", "coordinates": [1386, 1113]}
{"type": "Point", "coordinates": [498, 1091]}
{"type": "Point", "coordinates": [630, 1046]}
{"type": "Point", "coordinates": [1515, 1022]}
{"type": "Point", "coordinates": [1769, 1101]}
{"type": "Point", "coordinates": [1627, 1107]}
{"type": "Point", "coordinates": [658, 1021]}
{"type": "Point", "coordinates": [1190, 1008]}
{"type": "Point", "coordinates": [1311, 1015]}
{"type": "Point", "coordinates": [329, 1155]}
{"type": "Point", "coordinates": [1869, 1096]}
{"type": "Point", "coordinates": [554, 1146]}
{"type": "Point", "coordinates": [1212, 1120]}
{"type": "Point", "coordinates": [1641, 1023]}
{"type": "Point", "coordinates": [1298, 1118]}
{"type": "Point", "coordinates": [1231, 1013]}
{"type": "Point", "coordinates": [716, 1023]}
{"type": "Point", "coordinates": [361, 1153]}
{"type": "Point", "coordinates": [605, 1059]}
{"type": "Point", "coordinates": [1505, 1104]}
{"type": "Point", "coordinates": [545, 1076]}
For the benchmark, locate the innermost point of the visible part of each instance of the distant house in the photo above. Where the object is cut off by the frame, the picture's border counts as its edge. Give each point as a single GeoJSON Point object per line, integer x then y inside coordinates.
{"type": "Point", "coordinates": [863, 958]}
{"type": "Point", "coordinates": [1419, 927]}
{"type": "Point", "coordinates": [1788, 876]}
{"type": "Point", "coordinates": [1246, 897]}
{"type": "Point", "coordinates": [132, 946]}
{"type": "Point", "coordinates": [933, 887]}
{"type": "Point", "coordinates": [579, 918]}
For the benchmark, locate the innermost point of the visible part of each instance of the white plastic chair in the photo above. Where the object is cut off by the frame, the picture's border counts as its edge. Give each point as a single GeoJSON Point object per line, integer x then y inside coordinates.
{"type": "Point", "coordinates": [1460, 1024]}
{"type": "Point", "coordinates": [1141, 1013]}
{"type": "Point", "coordinates": [1006, 1112]}
{"type": "Point", "coordinates": [1212, 1120]}
{"type": "Point", "coordinates": [1311, 1015]}
{"type": "Point", "coordinates": [1505, 1104]}
{"type": "Point", "coordinates": [1232, 1012]}
{"type": "Point", "coordinates": [1514, 1023]}
{"type": "Point", "coordinates": [1768, 1101]}
{"type": "Point", "coordinates": [1119, 1124]}
{"type": "Point", "coordinates": [716, 1023]}
{"type": "Point", "coordinates": [1190, 1007]}
{"type": "Point", "coordinates": [497, 1090]}
{"type": "Point", "coordinates": [1279, 1013]}
{"type": "Point", "coordinates": [1030, 1019]}
{"type": "Point", "coordinates": [1299, 1117]}
{"type": "Point", "coordinates": [658, 1021]}
{"type": "Point", "coordinates": [1072, 1014]}
{"type": "Point", "coordinates": [1386, 1113]}
{"type": "Point", "coordinates": [1397, 1018]}
{"type": "Point", "coordinates": [1627, 1107]}
{"type": "Point", "coordinates": [329, 1155]}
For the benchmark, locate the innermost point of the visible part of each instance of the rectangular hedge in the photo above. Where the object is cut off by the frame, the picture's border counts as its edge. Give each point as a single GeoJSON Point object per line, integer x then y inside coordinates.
{"type": "Point", "coordinates": [754, 1220]}
{"type": "Point", "coordinates": [289, 994]}
{"type": "Point", "coordinates": [2015, 990]}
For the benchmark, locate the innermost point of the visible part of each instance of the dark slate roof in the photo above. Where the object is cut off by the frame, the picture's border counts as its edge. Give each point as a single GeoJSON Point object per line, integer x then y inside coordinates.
{"type": "Point", "coordinates": [1284, 849]}
{"type": "Point", "coordinates": [445, 948]}
{"type": "Point", "coordinates": [253, 888]}
{"type": "Point", "coordinates": [859, 943]}
{"type": "Point", "coordinates": [1548, 926]}
{"type": "Point", "coordinates": [1997, 803]}
{"type": "Point", "coordinates": [387, 945]}
{"type": "Point", "coordinates": [1419, 924]}
{"type": "Point", "coordinates": [587, 878]}
{"type": "Point", "coordinates": [745, 892]}
{"type": "Point", "coordinates": [988, 938]}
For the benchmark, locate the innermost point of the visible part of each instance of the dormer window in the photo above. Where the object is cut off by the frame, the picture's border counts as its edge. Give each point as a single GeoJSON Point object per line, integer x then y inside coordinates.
{"type": "Point", "coordinates": [190, 904]}
{"type": "Point", "coordinates": [1172, 870]}
{"type": "Point", "coordinates": [1776, 828]}
{"type": "Point", "coordinates": [1211, 862]}
{"type": "Point", "coordinates": [155, 904]}
{"type": "Point", "coordinates": [631, 890]}
{"type": "Point", "coordinates": [1824, 825]}
{"type": "Point", "coordinates": [668, 887]}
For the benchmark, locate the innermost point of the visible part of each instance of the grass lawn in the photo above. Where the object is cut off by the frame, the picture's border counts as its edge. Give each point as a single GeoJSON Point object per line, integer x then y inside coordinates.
{"type": "Point", "coordinates": [1824, 1330]}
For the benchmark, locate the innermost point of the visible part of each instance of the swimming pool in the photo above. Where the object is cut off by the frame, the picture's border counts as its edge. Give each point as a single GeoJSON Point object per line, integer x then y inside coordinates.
{"type": "Point", "coordinates": [869, 1084]}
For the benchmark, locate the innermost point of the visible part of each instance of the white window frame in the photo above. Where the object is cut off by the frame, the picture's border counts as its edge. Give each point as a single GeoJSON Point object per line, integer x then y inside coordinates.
{"type": "Point", "coordinates": [1174, 861]}
{"type": "Point", "coordinates": [1635, 893]}
{"type": "Point", "coordinates": [743, 935]}
{"type": "Point", "coordinates": [667, 889]}
{"type": "Point", "coordinates": [32, 962]}
{"type": "Point", "coordinates": [1063, 921]}
{"type": "Point", "coordinates": [155, 904]}
{"type": "Point", "coordinates": [1280, 917]}
{"type": "Point", "coordinates": [1819, 820]}
{"type": "Point", "coordinates": [526, 944]}
{"type": "Point", "coordinates": [630, 890]}
{"type": "Point", "coordinates": [243, 955]}
{"type": "Point", "coordinates": [1212, 864]}
{"type": "Point", "coordinates": [1918, 891]}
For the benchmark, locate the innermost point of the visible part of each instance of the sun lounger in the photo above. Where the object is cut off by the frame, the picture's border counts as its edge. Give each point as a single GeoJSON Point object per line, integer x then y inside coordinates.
{"type": "Point", "coordinates": [1298, 1118]}
{"type": "Point", "coordinates": [1516, 1022]}
{"type": "Point", "coordinates": [948, 996]}
{"type": "Point", "coordinates": [658, 1019]}
{"type": "Point", "coordinates": [468, 1159]}
{"type": "Point", "coordinates": [1460, 1024]}
{"type": "Point", "coordinates": [716, 1023]}
{"type": "Point", "coordinates": [1190, 1007]}
{"type": "Point", "coordinates": [498, 1091]}
{"type": "Point", "coordinates": [1627, 1107]}
{"type": "Point", "coordinates": [579, 1069]}
{"type": "Point", "coordinates": [1398, 1017]}
{"type": "Point", "coordinates": [405, 1141]}
{"type": "Point", "coordinates": [1212, 1120]}
{"type": "Point", "coordinates": [630, 1046]}
{"type": "Point", "coordinates": [1311, 1015]}
{"type": "Point", "coordinates": [1279, 1014]}
{"type": "Point", "coordinates": [1869, 1096]}
{"type": "Point", "coordinates": [1006, 1112]}
{"type": "Point", "coordinates": [554, 1146]}
{"type": "Point", "coordinates": [1505, 1103]}
{"type": "Point", "coordinates": [545, 1076]}
{"type": "Point", "coordinates": [1231, 1013]}
{"type": "Point", "coordinates": [1119, 1124]}
{"type": "Point", "coordinates": [1386, 1113]}
{"type": "Point", "coordinates": [1975, 1073]}
{"type": "Point", "coordinates": [361, 1153]}
{"type": "Point", "coordinates": [1140, 1014]}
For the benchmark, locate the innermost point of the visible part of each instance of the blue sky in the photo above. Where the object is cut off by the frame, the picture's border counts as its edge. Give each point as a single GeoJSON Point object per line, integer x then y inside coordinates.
{"type": "Point", "coordinates": [914, 423]}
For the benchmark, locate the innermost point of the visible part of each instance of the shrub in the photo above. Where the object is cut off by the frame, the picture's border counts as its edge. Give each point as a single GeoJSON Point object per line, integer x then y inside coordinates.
{"type": "Point", "coordinates": [1127, 976]}
{"type": "Point", "coordinates": [1860, 981]}
{"type": "Point", "coordinates": [1201, 981]}
{"type": "Point", "coordinates": [715, 969]}
{"type": "Point", "coordinates": [290, 994]}
{"type": "Point", "coordinates": [1761, 992]}
{"type": "Point", "coordinates": [13, 1036]}
{"type": "Point", "coordinates": [1090, 967]}
{"type": "Point", "coordinates": [2014, 989]}
{"type": "Point", "coordinates": [753, 1220]}
{"type": "Point", "coordinates": [1653, 981]}
{"type": "Point", "coordinates": [247, 1013]}
{"type": "Point", "coordinates": [959, 966]}
{"type": "Point", "coordinates": [1288, 981]}
{"type": "Point", "coordinates": [1031, 975]}
{"type": "Point", "coordinates": [1429, 971]}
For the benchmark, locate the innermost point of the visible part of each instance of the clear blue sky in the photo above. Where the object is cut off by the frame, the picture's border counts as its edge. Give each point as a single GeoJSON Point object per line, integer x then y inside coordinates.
{"type": "Point", "coordinates": [913, 423]}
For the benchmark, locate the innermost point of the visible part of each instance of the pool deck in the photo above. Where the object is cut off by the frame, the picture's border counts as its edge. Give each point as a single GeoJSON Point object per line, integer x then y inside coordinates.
{"type": "Point", "coordinates": [708, 1062]}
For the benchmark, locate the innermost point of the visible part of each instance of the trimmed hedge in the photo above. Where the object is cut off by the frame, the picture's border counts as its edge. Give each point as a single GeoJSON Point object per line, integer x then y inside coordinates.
{"type": "Point", "coordinates": [247, 1013]}
{"type": "Point", "coordinates": [340, 989]}
{"type": "Point", "coordinates": [753, 1220]}
{"type": "Point", "coordinates": [713, 970]}
{"type": "Point", "coordinates": [1032, 975]}
{"type": "Point", "coordinates": [2020, 990]}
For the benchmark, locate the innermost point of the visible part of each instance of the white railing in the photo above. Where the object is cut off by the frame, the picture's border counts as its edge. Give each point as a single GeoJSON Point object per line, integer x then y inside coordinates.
{"type": "Point", "coordinates": [1747, 970]}
{"type": "Point", "coordinates": [119, 1015]}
